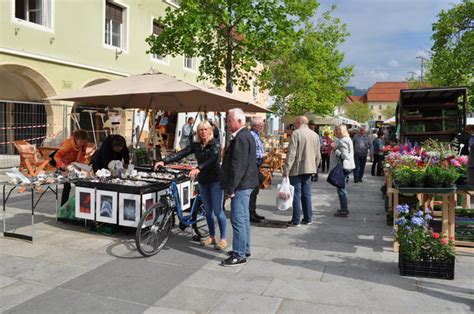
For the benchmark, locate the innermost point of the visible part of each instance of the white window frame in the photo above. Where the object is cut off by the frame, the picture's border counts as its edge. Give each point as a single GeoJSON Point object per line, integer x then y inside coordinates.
{"type": "Point", "coordinates": [164, 60]}
{"type": "Point", "coordinates": [172, 3]}
{"type": "Point", "coordinates": [48, 8]}
{"type": "Point", "coordinates": [124, 28]}
{"type": "Point", "coordinates": [193, 64]}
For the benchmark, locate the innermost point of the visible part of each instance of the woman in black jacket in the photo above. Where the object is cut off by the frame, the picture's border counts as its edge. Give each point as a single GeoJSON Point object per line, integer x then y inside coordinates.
{"type": "Point", "coordinates": [207, 152]}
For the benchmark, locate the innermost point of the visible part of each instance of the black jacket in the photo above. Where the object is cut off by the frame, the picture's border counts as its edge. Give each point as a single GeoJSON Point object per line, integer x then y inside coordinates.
{"type": "Point", "coordinates": [239, 167]}
{"type": "Point", "coordinates": [106, 154]}
{"type": "Point", "coordinates": [208, 159]}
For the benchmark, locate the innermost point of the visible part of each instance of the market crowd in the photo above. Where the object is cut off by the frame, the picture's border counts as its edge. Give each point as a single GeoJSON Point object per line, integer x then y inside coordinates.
{"type": "Point", "coordinates": [237, 176]}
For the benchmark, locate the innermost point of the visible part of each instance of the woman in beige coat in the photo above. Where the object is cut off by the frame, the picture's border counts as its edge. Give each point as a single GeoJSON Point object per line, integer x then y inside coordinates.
{"type": "Point", "coordinates": [343, 152]}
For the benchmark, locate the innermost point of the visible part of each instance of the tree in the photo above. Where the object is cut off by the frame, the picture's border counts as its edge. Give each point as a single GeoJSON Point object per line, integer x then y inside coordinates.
{"type": "Point", "coordinates": [231, 37]}
{"type": "Point", "coordinates": [359, 111]}
{"type": "Point", "coordinates": [388, 111]}
{"type": "Point", "coordinates": [452, 60]}
{"type": "Point", "coordinates": [309, 76]}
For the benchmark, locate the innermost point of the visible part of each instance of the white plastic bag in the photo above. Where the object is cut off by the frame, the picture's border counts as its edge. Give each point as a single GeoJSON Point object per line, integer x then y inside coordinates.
{"type": "Point", "coordinates": [285, 193]}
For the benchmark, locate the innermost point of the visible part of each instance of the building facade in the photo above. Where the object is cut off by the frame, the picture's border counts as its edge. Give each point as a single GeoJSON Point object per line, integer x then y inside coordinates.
{"type": "Point", "coordinates": [48, 47]}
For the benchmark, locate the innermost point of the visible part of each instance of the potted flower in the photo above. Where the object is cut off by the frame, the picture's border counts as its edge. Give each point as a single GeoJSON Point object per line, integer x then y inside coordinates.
{"type": "Point", "coordinates": [402, 176]}
{"type": "Point", "coordinates": [422, 252]}
{"type": "Point", "coordinates": [418, 177]}
{"type": "Point", "coordinates": [434, 176]}
{"type": "Point", "coordinates": [450, 176]}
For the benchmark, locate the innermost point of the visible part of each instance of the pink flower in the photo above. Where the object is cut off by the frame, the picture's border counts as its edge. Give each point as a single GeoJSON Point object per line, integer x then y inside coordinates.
{"type": "Point", "coordinates": [436, 235]}
{"type": "Point", "coordinates": [451, 238]}
{"type": "Point", "coordinates": [443, 241]}
{"type": "Point", "coordinates": [462, 160]}
{"type": "Point", "coordinates": [455, 163]}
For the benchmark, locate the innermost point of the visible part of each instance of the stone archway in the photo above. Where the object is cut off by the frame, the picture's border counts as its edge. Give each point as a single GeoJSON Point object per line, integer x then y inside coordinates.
{"type": "Point", "coordinates": [23, 116]}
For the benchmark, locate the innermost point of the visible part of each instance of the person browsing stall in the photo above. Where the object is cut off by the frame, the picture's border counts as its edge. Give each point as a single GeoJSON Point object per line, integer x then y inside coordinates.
{"type": "Point", "coordinates": [113, 148]}
{"type": "Point", "coordinates": [207, 151]}
{"type": "Point", "coordinates": [72, 150]}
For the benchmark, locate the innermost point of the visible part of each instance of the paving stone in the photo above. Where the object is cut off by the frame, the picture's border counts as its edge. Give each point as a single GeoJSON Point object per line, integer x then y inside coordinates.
{"type": "Point", "coordinates": [66, 301]}
{"type": "Point", "coordinates": [292, 269]}
{"type": "Point", "coordinates": [75, 258]}
{"type": "Point", "coordinates": [297, 307]}
{"type": "Point", "coordinates": [19, 292]}
{"type": "Point", "coordinates": [136, 280]}
{"type": "Point", "coordinates": [184, 298]}
{"type": "Point", "coordinates": [246, 303]}
{"type": "Point", "coordinates": [164, 310]}
{"type": "Point", "coordinates": [230, 282]}
{"type": "Point", "coordinates": [6, 281]}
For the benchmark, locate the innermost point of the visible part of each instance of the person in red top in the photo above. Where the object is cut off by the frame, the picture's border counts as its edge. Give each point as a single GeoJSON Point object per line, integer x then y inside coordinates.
{"type": "Point", "coordinates": [72, 150]}
{"type": "Point", "coordinates": [326, 150]}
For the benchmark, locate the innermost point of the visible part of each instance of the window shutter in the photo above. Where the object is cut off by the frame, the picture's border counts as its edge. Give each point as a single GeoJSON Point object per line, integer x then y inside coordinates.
{"type": "Point", "coordinates": [113, 13]}
{"type": "Point", "coordinates": [157, 29]}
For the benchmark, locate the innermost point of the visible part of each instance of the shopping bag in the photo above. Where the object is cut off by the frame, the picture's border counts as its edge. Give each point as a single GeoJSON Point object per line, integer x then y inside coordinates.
{"type": "Point", "coordinates": [337, 177]}
{"type": "Point", "coordinates": [285, 193]}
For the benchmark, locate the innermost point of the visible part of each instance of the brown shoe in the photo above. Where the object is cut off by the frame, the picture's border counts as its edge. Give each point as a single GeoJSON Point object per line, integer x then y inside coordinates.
{"type": "Point", "coordinates": [221, 245]}
{"type": "Point", "coordinates": [208, 241]}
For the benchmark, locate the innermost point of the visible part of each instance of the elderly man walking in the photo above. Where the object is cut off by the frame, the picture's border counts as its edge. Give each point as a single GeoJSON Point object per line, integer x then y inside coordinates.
{"type": "Point", "coordinates": [256, 128]}
{"type": "Point", "coordinates": [238, 179]}
{"type": "Point", "coordinates": [301, 163]}
{"type": "Point", "coordinates": [362, 146]}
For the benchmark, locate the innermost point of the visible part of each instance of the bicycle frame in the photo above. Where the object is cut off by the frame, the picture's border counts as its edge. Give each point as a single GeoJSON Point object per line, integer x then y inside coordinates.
{"type": "Point", "coordinates": [184, 219]}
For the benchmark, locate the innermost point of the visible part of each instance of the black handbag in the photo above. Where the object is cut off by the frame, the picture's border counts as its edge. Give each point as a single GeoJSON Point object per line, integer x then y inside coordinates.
{"type": "Point", "coordinates": [337, 177]}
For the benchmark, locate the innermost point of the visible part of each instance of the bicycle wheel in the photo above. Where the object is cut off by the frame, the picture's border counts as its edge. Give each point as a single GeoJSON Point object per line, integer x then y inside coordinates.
{"type": "Point", "coordinates": [154, 229]}
{"type": "Point", "coordinates": [199, 219]}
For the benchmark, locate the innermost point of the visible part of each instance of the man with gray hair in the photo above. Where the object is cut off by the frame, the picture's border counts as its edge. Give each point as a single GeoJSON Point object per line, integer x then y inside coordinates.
{"type": "Point", "coordinates": [256, 128]}
{"type": "Point", "coordinates": [301, 163]}
{"type": "Point", "coordinates": [362, 146]}
{"type": "Point", "coordinates": [238, 179]}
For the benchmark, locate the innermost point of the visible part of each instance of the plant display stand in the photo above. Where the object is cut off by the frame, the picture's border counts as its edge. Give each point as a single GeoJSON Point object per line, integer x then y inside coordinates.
{"type": "Point", "coordinates": [424, 194]}
{"type": "Point", "coordinates": [431, 269]}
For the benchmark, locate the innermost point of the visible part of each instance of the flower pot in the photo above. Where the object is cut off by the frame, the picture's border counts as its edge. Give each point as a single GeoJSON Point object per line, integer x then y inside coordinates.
{"type": "Point", "coordinates": [431, 269]}
{"type": "Point", "coordinates": [419, 185]}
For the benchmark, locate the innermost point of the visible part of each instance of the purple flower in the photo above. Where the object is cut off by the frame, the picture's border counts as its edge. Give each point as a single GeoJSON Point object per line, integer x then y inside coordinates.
{"type": "Point", "coordinates": [417, 221]}
{"type": "Point", "coordinates": [419, 213]}
{"type": "Point", "coordinates": [401, 221]}
{"type": "Point", "coordinates": [428, 217]}
{"type": "Point", "coordinates": [427, 210]}
{"type": "Point", "coordinates": [402, 209]}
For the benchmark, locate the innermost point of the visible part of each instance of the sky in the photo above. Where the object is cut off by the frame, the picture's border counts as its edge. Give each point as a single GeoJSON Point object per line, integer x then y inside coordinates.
{"type": "Point", "coordinates": [386, 36]}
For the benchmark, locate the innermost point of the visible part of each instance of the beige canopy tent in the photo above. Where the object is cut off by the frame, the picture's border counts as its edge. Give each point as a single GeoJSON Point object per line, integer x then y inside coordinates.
{"type": "Point", "coordinates": [318, 120]}
{"type": "Point", "coordinates": [158, 91]}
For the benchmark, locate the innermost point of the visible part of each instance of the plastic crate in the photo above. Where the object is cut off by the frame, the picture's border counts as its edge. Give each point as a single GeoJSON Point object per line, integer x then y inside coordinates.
{"type": "Point", "coordinates": [414, 127]}
{"type": "Point", "coordinates": [430, 269]}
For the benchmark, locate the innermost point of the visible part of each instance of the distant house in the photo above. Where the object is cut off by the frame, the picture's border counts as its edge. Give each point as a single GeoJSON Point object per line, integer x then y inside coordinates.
{"type": "Point", "coordinates": [383, 94]}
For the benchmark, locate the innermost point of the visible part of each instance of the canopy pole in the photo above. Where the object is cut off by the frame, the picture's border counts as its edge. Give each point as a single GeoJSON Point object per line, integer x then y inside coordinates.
{"type": "Point", "coordinates": [144, 120]}
{"type": "Point", "coordinates": [93, 126]}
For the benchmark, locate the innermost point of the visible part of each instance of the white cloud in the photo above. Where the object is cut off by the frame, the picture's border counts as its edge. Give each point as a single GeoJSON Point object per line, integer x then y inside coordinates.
{"type": "Point", "coordinates": [394, 63]}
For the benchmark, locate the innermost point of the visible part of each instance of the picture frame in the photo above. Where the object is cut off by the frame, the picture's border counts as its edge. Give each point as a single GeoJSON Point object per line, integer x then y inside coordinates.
{"type": "Point", "coordinates": [85, 203]}
{"type": "Point", "coordinates": [185, 195]}
{"type": "Point", "coordinates": [106, 202]}
{"type": "Point", "coordinates": [147, 201]}
{"type": "Point", "coordinates": [194, 189]}
{"type": "Point", "coordinates": [129, 209]}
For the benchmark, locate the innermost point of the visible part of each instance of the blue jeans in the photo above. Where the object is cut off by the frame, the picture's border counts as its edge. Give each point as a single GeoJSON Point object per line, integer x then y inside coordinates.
{"type": "Point", "coordinates": [302, 198]}
{"type": "Point", "coordinates": [342, 193]}
{"type": "Point", "coordinates": [360, 162]}
{"type": "Point", "coordinates": [239, 217]}
{"type": "Point", "coordinates": [212, 197]}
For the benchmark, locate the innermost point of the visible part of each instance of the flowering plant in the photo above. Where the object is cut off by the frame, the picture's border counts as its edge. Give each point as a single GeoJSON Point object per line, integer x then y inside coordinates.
{"type": "Point", "coordinates": [417, 241]}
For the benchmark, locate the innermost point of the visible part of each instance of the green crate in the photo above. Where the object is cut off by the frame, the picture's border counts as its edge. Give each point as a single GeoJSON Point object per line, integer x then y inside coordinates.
{"type": "Point", "coordinates": [414, 127]}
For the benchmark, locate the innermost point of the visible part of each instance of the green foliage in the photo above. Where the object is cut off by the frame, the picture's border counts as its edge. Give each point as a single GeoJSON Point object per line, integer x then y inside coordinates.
{"type": "Point", "coordinates": [231, 37]}
{"type": "Point", "coordinates": [452, 61]}
{"type": "Point", "coordinates": [402, 176]}
{"type": "Point", "coordinates": [388, 111]}
{"type": "Point", "coordinates": [434, 176]}
{"type": "Point", "coordinates": [450, 176]}
{"type": "Point", "coordinates": [308, 77]}
{"type": "Point", "coordinates": [358, 111]}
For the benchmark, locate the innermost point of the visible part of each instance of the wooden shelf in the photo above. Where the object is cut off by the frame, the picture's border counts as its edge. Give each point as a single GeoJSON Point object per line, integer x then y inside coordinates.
{"type": "Point", "coordinates": [431, 133]}
{"type": "Point", "coordinates": [408, 118]}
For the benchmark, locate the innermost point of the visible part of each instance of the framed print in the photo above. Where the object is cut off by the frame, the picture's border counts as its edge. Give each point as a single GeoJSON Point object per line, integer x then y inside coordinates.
{"type": "Point", "coordinates": [185, 195]}
{"type": "Point", "coordinates": [106, 202]}
{"type": "Point", "coordinates": [129, 209]}
{"type": "Point", "coordinates": [194, 189]}
{"type": "Point", "coordinates": [85, 203]}
{"type": "Point", "coordinates": [147, 201]}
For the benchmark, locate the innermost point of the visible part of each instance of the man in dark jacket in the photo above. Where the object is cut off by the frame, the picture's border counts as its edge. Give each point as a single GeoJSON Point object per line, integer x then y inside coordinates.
{"type": "Point", "coordinates": [239, 177]}
{"type": "Point", "coordinates": [113, 148]}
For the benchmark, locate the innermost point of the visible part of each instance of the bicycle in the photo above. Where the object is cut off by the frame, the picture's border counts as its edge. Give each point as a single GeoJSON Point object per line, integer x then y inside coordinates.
{"type": "Point", "coordinates": [154, 227]}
